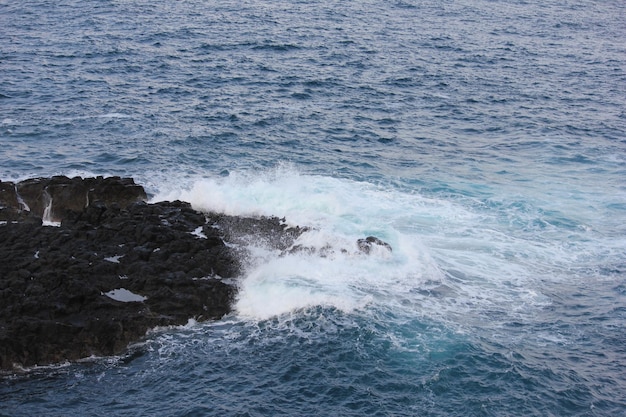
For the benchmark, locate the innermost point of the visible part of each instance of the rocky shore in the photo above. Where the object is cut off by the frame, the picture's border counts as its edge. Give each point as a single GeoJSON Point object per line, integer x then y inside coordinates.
{"type": "Point", "coordinates": [87, 266]}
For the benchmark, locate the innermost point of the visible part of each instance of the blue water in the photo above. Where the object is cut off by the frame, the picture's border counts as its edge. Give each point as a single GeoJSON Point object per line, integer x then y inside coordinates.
{"type": "Point", "coordinates": [484, 140]}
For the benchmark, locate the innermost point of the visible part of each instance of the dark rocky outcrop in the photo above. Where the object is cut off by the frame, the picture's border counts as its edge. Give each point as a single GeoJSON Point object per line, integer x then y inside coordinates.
{"type": "Point", "coordinates": [367, 244]}
{"type": "Point", "coordinates": [52, 198]}
{"type": "Point", "coordinates": [115, 266]}
{"type": "Point", "coordinates": [60, 286]}
{"type": "Point", "coordinates": [270, 232]}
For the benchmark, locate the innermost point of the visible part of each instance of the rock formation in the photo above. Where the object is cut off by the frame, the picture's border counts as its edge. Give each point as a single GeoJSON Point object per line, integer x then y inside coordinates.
{"type": "Point", "coordinates": [115, 266]}
{"type": "Point", "coordinates": [367, 244]}
{"type": "Point", "coordinates": [52, 198]}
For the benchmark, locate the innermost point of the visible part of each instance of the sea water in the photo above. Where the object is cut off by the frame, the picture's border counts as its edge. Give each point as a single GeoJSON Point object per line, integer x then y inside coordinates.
{"type": "Point", "coordinates": [485, 141]}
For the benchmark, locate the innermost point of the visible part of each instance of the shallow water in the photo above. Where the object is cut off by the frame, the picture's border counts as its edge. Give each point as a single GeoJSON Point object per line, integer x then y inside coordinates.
{"type": "Point", "coordinates": [484, 140]}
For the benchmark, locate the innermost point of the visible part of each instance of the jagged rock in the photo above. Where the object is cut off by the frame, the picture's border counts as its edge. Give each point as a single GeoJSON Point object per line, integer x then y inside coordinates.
{"type": "Point", "coordinates": [8, 196]}
{"type": "Point", "coordinates": [271, 232]}
{"type": "Point", "coordinates": [54, 197]}
{"type": "Point", "coordinates": [53, 291]}
{"type": "Point", "coordinates": [62, 288]}
{"type": "Point", "coordinates": [366, 245]}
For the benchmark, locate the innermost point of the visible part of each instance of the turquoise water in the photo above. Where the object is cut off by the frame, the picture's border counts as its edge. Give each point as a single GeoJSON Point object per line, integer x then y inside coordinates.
{"type": "Point", "coordinates": [484, 140]}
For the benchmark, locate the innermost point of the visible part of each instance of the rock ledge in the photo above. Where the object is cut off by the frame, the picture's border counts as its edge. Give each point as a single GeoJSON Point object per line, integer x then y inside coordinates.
{"type": "Point", "coordinates": [113, 268]}
{"type": "Point", "coordinates": [88, 266]}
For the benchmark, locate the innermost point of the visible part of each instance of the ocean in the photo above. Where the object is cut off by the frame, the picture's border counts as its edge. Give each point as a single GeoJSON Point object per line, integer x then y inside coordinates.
{"type": "Point", "coordinates": [484, 140]}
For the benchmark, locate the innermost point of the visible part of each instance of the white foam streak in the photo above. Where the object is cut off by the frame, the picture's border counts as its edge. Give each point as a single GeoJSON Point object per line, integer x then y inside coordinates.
{"type": "Point", "coordinates": [47, 214]}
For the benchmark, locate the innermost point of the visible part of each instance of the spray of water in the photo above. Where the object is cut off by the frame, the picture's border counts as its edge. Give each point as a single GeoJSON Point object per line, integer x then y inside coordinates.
{"type": "Point", "coordinates": [449, 260]}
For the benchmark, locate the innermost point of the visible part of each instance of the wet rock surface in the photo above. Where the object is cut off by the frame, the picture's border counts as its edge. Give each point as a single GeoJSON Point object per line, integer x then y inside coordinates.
{"type": "Point", "coordinates": [113, 269]}
{"type": "Point", "coordinates": [87, 266]}
{"type": "Point", "coordinates": [367, 244]}
{"type": "Point", "coordinates": [53, 198]}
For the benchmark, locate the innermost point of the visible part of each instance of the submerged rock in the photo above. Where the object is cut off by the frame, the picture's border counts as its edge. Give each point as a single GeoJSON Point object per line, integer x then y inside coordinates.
{"type": "Point", "coordinates": [364, 246]}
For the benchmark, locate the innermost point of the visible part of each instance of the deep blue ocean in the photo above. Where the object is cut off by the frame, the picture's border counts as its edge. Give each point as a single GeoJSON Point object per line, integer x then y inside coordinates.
{"type": "Point", "coordinates": [485, 140]}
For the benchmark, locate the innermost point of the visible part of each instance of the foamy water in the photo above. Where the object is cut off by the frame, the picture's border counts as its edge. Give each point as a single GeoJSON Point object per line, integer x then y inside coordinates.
{"type": "Point", "coordinates": [475, 259]}
{"type": "Point", "coordinates": [483, 141]}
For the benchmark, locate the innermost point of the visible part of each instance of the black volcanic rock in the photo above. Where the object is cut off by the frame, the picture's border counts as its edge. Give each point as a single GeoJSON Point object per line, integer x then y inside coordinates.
{"type": "Point", "coordinates": [55, 280]}
{"type": "Point", "coordinates": [57, 196]}
{"type": "Point", "coordinates": [8, 197]}
{"type": "Point", "coordinates": [114, 268]}
{"type": "Point", "coordinates": [270, 232]}
{"type": "Point", "coordinates": [60, 195]}
{"type": "Point", "coordinates": [365, 245]}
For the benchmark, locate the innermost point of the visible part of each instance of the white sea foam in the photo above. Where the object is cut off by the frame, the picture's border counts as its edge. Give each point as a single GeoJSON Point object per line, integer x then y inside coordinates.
{"type": "Point", "coordinates": [451, 258]}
